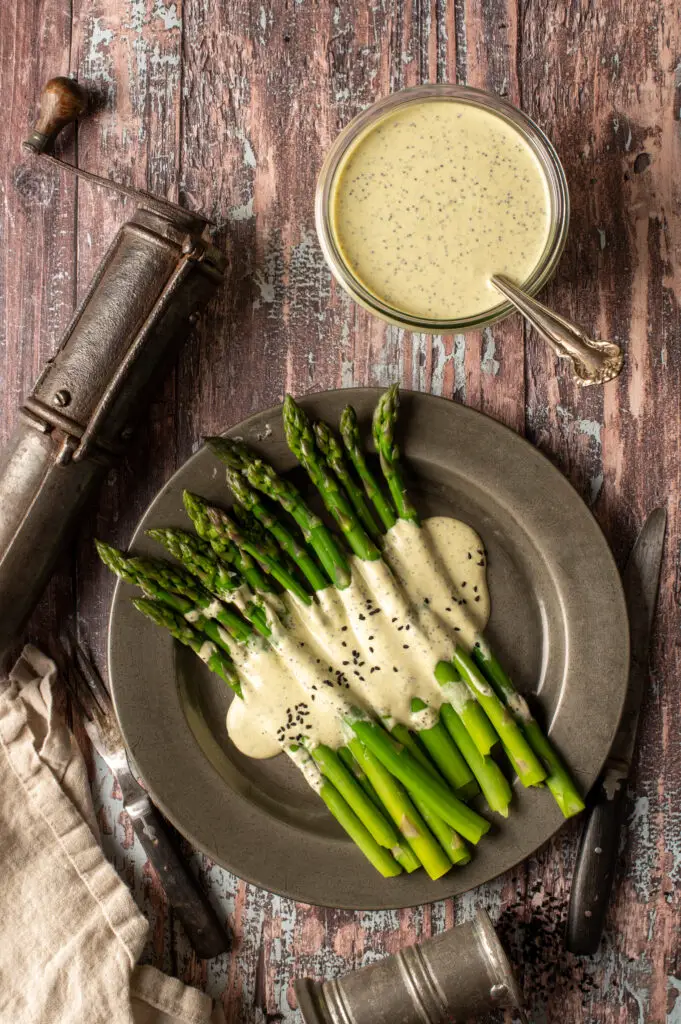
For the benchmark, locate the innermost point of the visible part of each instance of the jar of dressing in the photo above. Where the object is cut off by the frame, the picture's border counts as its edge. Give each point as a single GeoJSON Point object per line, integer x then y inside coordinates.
{"type": "Point", "coordinates": [431, 191]}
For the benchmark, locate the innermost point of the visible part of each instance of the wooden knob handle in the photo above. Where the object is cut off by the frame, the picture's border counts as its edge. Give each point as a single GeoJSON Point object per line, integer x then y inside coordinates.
{"type": "Point", "coordinates": [61, 102]}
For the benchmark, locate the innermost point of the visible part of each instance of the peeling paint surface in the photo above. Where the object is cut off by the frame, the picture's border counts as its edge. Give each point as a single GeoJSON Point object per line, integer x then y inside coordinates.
{"type": "Point", "coordinates": [229, 108]}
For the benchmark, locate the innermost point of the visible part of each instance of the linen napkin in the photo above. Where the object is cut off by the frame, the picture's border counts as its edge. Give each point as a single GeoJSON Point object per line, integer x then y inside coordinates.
{"type": "Point", "coordinates": [70, 932]}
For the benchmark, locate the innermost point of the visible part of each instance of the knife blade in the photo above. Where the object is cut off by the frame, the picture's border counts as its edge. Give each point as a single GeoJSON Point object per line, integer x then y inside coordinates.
{"type": "Point", "coordinates": [599, 845]}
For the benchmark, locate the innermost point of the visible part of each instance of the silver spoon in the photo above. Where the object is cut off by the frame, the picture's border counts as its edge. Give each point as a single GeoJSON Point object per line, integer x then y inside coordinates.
{"type": "Point", "coordinates": [593, 362]}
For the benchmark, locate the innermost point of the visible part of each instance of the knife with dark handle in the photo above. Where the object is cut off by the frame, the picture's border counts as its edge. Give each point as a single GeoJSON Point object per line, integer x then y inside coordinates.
{"type": "Point", "coordinates": [208, 937]}
{"type": "Point", "coordinates": [599, 845]}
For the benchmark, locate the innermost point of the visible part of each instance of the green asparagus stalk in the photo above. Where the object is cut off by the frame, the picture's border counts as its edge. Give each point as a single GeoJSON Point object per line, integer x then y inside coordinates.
{"type": "Point", "coordinates": [263, 478]}
{"type": "Point", "coordinates": [382, 859]}
{"type": "Point", "coordinates": [223, 547]}
{"type": "Point", "coordinates": [332, 768]}
{"type": "Point", "coordinates": [301, 441]}
{"type": "Point", "coordinates": [170, 578]}
{"type": "Point", "coordinates": [416, 779]}
{"type": "Point", "coordinates": [126, 569]}
{"type": "Point", "coordinates": [491, 779]}
{"type": "Point", "coordinates": [406, 858]}
{"type": "Point", "coordinates": [349, 428]}
{"type": "Point", "coordinates": [385, 418]}
{"type": "Point", "coordinates": [200, 560]}
{"type": "Point", "coordinates": [403, 812]}
{"type": "Point", "coordinates": [558, 778]}
{"type": "Point", "coordinates": [296, 550]}
{"type": "Point", "coordinates": [332, 450]}
{"type": "Point", "coordinates": [446, 756]}
{"type": "Point", "coordinates": [178, 627]}
{"type": "Point", "coordinates": [359, 774]}
{"type": "Point", "coordinates": [256, 532]}
{"type": "Point", "coordinates": [529, 768]}
{"type": "Point", "coordinates": [450, 841]}
{"type": "Point", "coordinates": [223, 524]}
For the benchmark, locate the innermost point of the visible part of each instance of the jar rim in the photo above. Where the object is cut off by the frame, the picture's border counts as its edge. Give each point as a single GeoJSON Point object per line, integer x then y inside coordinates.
{"type": "Point", "coordinates": [542, 148]}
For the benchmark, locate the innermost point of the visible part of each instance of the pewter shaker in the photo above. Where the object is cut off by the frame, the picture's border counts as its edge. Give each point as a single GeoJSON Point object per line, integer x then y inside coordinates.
{"type": "Point", "coordinates": [456, 976]}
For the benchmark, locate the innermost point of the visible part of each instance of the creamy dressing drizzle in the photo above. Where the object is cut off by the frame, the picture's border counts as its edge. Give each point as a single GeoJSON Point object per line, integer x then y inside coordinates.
{"type": "Point", "coordinates": [372, 646]}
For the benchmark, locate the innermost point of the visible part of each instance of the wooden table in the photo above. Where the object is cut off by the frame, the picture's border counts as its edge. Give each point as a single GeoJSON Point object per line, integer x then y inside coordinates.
{"type": "Point", "coordinates": [230, 106]}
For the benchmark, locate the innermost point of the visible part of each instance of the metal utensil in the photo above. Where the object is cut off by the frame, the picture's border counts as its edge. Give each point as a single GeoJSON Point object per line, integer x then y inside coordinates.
{"type": "Point", "coordinates": [158, 274]}
{"type": "Point", "coordinates": [592, 362]}
{"type": "Point", "coordinates": [207, 935]}
{"type": "Point", "coordinates": [597, 855]}
{"type": "Point", "coordinates": [456, 976]}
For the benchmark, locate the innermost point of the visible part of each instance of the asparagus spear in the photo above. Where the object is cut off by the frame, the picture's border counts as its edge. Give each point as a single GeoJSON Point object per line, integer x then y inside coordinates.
{"type": "Point", "coordinates": [331, 449]}
{"type": "Point", "coordinates": [349, 428]}
{"type": "Point", "coordinates": [401, 809]}
{"type": "Point", "coordinates": [446, 756]}
{"type": "Point", "coordinates": [174, 579]}
{"type": "Point", "coordinates": [300, 439]}
{"type": "Point", "coordinates": [296, 550]}
{"type": "Point", "coordinates": [382, 859]}
{"type": "Point", "coordinates": [381, 828]}
{"type": "Point", "coordinates": [201, 561]}
{"type": "Point", "coordinates": [179, 628]}
{"type": "Point", "coordinates": [224, 525]}
{"type": "Point", "coordinates": [130, 571]}
{"type": "Point", "coordinates": [449, 840]}
{"type": "Point", "coordinates": [491, 779]}
{"type": "Point", "coordinates": [355, 769]}
{"type": "Point", "coordinates": [255, 531]}
{"type": "Point", "coordinates": [529, 768]}
{"type": "Point", "coordinates": [385, 418]}
{"type": "Point", "coordinates": [416, 779]}
{"type": "Point", "coordinates": [263, 478]}
{"type": "Point", "coordinates": [223, 547]}
{"type": "Point", "coordinates": [558, 779]}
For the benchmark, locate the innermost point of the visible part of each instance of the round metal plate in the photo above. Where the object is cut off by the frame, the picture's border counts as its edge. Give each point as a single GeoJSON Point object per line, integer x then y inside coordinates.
{"type": "Point", "coordinates": [558, 624]}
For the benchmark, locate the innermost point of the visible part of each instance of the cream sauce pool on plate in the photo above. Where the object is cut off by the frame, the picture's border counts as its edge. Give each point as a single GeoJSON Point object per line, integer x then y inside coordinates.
{"type": "Point", "coordinates": [373, 645]}
{"type": "Point", "coordinates": [434, 199]}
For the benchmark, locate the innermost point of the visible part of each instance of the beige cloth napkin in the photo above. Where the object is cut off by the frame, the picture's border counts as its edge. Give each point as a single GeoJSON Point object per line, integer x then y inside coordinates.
{"type": "Point", "coordinates": [70, 932]}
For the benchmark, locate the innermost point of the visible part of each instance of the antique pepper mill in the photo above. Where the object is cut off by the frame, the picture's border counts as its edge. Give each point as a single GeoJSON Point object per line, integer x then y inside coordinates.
{"type": "Point", "coordinates": [149, 290]}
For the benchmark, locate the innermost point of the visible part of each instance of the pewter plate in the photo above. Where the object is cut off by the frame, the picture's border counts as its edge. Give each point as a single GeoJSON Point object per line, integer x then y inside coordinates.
{"type": "Point", "coordinates": [558, 624]}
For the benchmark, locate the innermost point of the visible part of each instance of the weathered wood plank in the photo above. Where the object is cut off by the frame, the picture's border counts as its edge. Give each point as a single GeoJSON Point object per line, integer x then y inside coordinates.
{"type": "Point", "coordinates": [37, 266]}
{"type": "Point", "coordinates": [601, 81]}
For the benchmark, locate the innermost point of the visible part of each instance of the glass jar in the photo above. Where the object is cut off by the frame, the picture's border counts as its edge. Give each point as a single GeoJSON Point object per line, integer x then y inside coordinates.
{"type": "Point", "coordinates": [361, 125]}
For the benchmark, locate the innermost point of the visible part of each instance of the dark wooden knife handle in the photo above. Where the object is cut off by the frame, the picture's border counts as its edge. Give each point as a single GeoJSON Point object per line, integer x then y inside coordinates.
{"type": "Point", "coordinates": [595, 869]}
{"type": "Point", "coordinates": [206, 934]}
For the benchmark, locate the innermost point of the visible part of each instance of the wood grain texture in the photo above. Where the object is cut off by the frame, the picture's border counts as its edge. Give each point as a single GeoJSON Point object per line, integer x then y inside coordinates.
{"type": "Point", "coordinates": [230, 107]}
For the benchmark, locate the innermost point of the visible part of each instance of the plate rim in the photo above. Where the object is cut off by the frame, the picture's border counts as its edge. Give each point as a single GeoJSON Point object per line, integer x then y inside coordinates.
{"type": "Point", "coordinates": [243, 427]}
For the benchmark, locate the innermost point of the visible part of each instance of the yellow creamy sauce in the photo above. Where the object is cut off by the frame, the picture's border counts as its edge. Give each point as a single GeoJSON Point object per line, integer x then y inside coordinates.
{"type": "Point", "coordinates": [432, 201]}
{"type": "Point", "coordinates": [373, 645]}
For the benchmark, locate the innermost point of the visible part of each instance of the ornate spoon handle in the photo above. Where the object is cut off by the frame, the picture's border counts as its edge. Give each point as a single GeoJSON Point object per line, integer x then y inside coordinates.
{"type": "Point", "coordinates": [593, 362]}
